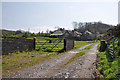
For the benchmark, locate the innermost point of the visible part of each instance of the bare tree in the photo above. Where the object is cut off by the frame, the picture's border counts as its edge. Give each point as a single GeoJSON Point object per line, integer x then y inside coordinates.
{"type": "Point", "coordinates": [75, 25]}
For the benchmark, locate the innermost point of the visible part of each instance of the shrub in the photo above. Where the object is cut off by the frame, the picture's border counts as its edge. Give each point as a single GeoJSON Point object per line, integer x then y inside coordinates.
{"type": "Point", "coordinates": [25, 35]}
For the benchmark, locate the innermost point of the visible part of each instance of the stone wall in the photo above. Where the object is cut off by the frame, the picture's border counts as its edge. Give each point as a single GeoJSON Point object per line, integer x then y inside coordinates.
{"type": "Point", "coordinates": [68, 44]}
{"type": "Point", "coordinates": [13, 44]}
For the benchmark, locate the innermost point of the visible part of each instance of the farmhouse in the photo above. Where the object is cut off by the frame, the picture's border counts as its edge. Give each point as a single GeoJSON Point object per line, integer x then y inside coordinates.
{"type": "Point", "coordinates": [87, 35]}
{"type": "Point", "coordinates": [58, 33]}
{"type": "Point", "coordinates": [66, 34]}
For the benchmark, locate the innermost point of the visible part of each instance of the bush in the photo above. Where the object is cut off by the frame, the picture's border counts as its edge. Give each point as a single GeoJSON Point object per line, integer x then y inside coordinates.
{"type": "Point", "coordinates": [33, 34]}
{"type": "Point", "coordinates": [25, 35]}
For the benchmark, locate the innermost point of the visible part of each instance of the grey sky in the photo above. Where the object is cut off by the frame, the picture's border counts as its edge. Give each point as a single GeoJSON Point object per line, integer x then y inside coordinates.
{"type": "Point", "coordinates": [40, 16]}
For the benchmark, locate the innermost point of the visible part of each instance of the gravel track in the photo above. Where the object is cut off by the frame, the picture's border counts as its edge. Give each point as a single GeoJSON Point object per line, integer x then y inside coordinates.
{"type": "Point", "coordinates": [84, 67]}
{"type": "Point", "coordinates": [49, 68]}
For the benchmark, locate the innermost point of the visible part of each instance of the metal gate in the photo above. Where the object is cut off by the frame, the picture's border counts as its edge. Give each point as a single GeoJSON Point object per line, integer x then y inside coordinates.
{"type": "Point", "coordinates": [111, 48]}
{"type": "Point", "coordinates": [50, 45]}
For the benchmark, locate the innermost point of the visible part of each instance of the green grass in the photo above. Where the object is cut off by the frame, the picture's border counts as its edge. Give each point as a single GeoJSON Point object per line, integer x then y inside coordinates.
{"type": "Point", "coordinates": [13, 62]}
{"type": "Point", "coordinates": [106, 68]}
{"type": "Point", "coordinates": [48, 46]}
{"type": "Point", "coordinates": [109, 69]}
{"type": "Point", "coordinates": [79, 44]}
{"type": "Point", "coordinates": [89, 47]}
{"type": "Point", "coordinates": [72, 59]}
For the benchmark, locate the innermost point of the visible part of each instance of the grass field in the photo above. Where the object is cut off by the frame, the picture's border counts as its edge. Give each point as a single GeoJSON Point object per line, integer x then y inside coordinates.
{"type": "Point", "coordinates": [47, 47]}
{"type": "Point", "coordinates": [20, 60]}
{"type": "Point", "coordinates": [82, 43]}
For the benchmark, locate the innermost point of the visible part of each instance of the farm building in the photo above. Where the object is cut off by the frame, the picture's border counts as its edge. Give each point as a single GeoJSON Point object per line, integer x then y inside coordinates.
{"type": "Point", "coordinates": [58, 33]}
{"type": "Point", "coordinates": [66, 34]}
{"type": "Point", "coordinates": [87, 35]}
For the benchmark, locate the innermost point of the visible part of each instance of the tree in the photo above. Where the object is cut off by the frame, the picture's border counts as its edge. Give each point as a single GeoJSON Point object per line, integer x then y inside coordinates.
{"type": "Point", "coordinates": [51, 32]}
{"type": "Point", "coordinates": [80, 24]}
{"type": "Point", "coordinates": [47, 31]}
{"type": "Point", "coordinates": [33, 34]}
{"type": "Point", "coordinates": [25, 35]}
{"type": "Point", "coordinates": [38, 34]}
{"type": "Point", "coordinates": [61, 29]}
{"type": "Point", "coordinates": [18, 32]}
{"type": "Point", "coordinates": [75, 25]}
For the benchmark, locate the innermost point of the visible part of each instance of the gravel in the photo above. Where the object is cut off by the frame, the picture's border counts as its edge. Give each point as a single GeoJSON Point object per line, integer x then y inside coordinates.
{"type": "Point", "coordinates": [84, 67]}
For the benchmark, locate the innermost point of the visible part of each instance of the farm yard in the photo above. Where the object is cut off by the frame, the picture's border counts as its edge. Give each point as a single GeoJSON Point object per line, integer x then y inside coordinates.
{"type": "Point", "coordinates": [14, 62]}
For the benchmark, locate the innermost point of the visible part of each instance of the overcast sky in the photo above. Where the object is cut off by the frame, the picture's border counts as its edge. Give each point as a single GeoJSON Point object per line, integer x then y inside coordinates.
{"type": "Point", "coordinates": [40, 16]}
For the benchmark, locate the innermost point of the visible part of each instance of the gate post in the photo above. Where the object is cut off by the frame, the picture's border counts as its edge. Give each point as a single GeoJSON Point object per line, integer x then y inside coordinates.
{"type": "Point", "coordinates": [65, 44]}
{"type": "Point", "coordinates": [68, 44]}
{"type": "Point", "coordinates": [102, 46]}
{"type": "Point", "coordinates": [34, 40]}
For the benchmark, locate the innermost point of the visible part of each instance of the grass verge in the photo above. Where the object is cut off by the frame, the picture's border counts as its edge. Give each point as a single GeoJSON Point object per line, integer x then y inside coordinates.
{"type": "Point", "coordinates": [89, 47]}
{"type": "Point", "coordinates": [108, 68]}
{"type": "Point", "coordinates": [74, 58]}
{"type": "Point", "coordinates": [15, 62]}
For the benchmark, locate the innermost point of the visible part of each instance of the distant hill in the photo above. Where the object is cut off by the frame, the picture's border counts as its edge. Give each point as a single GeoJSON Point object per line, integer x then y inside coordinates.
{"type": "Point", "coordinates": [7, 33]}
{"type": "Point", "coordinates": [10, 33]}
{"type": "Point", "coordinates": [93, 27]}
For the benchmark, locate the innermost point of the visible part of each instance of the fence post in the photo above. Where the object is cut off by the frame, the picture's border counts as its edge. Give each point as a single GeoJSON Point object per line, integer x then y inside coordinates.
{"type": "Point", "coordinates": [34, 42]}
{"type": "Point", "coordinates": [102, 46]}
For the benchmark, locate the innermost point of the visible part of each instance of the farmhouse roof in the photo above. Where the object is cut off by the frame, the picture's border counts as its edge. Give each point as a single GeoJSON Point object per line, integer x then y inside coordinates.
{"type": "Point", "coordinates": [57, 33]}
{"type": "Point", "coordinates": [78, 33]}
{"type": "Point", "coordinates": [61, 33]}
{"type": "Point", "coordinates": [87, 32]}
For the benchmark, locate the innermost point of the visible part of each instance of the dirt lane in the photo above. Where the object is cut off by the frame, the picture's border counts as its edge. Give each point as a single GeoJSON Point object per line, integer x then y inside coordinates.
{"type": "Point", "coordinates": [48, 68]}
{"type": "Point", "coordinates": [84, 67]}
